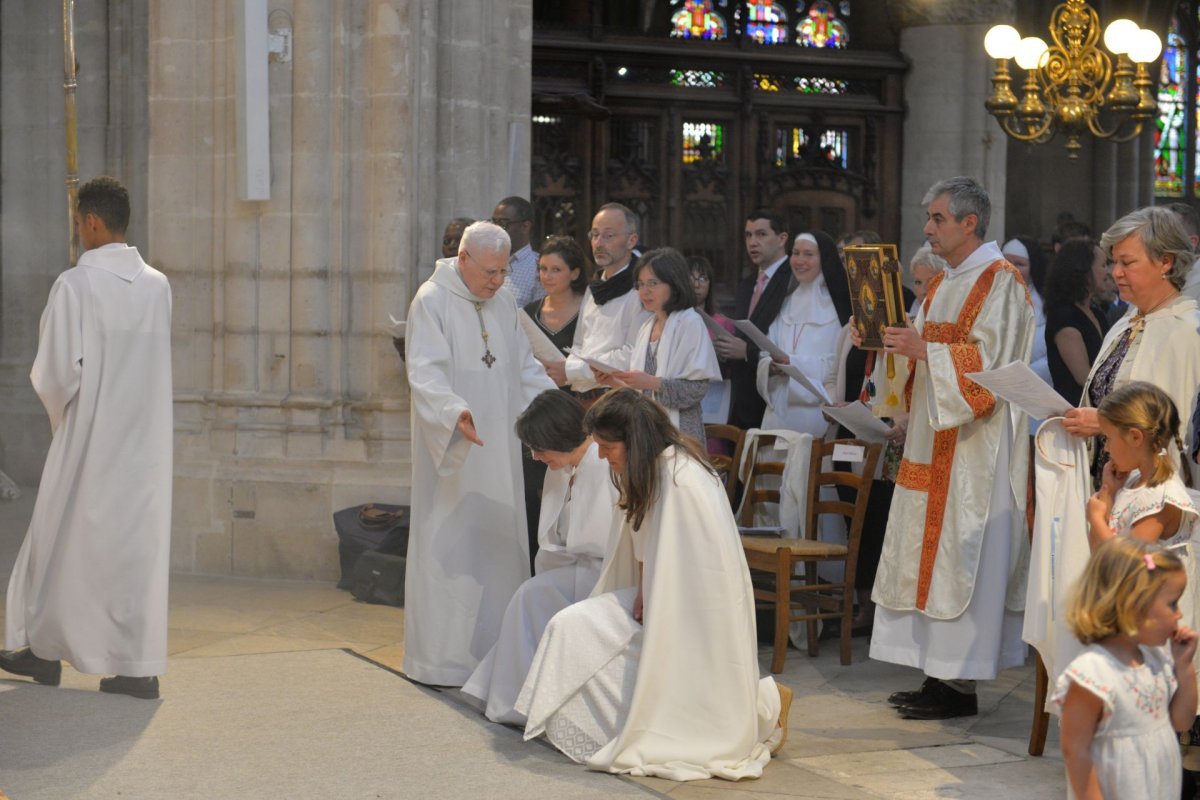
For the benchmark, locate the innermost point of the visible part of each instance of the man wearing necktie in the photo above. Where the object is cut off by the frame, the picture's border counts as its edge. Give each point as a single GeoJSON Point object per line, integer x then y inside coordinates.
{"type": "Point", "coordinates": [757, 298]}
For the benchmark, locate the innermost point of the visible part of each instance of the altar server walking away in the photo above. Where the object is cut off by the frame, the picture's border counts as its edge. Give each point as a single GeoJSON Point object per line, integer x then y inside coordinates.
{"type": "Point", "coordinates": [807, 331]}
{"type": "Point", "coordinates": [579, 510]}
{"type": "Point", "coordinates": [471, 372]}
{"type": "Point", "coordinates": [950, 591]}
{"type": "Point", "coordinates": [657, 672]}
{"type": "Point", "coordinates": [89, 585]}
{"type": "Point", "coordinates": [1133, 686]}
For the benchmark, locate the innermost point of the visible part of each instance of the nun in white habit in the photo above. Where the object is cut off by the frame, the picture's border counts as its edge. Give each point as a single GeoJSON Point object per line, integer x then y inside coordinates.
{"type": "Point", "coordinates": [673, 357]}
{"type": "Point", "coordinates": [806, 329]}
{"type": "Point", "coordinates": [579, 510]}
{"type": "Point", "coordinates": [657, 672]}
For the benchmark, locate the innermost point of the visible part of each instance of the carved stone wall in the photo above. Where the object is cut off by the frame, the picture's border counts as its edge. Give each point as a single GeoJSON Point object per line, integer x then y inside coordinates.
{"type": "Point", "coordinates": [291, 402]}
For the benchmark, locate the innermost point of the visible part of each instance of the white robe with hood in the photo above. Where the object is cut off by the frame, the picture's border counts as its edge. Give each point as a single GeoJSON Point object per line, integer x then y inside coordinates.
{"type": "Point", "coordinates": [579, 512]}
{"type": "Point", "coordinates": [681, 697]}
{"type": "Point", "coordinates": [467, 550]}
{"type": "Point", "coordinates": [89, 585]}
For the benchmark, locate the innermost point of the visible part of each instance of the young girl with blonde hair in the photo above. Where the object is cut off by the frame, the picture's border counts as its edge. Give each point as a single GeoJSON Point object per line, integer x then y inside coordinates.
{"type": "Point", "coordinates": [1141, 494]}
{"type": "Point", "coordinates": [1125, 695]}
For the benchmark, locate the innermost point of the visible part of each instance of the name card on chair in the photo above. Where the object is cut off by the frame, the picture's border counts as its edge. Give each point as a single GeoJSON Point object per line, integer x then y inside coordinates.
{"type": "Point", "coordinates": [848, 452]}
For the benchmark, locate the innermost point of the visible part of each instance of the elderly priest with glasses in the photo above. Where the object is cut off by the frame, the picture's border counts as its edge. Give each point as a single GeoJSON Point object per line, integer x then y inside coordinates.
{"type": "Point", "coordinates": [471, 373]}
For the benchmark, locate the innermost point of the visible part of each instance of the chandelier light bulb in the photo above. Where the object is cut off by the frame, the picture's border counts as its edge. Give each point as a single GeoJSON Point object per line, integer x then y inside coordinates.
{"type": "Point", "coordinates": [1030, 52]}
{"type": "Point", "coordinates": [1120, 35]}
{"type": "Point", "coordinates": [1146, 47]}
{"type": "Point", "coordinates": [1002, 41]}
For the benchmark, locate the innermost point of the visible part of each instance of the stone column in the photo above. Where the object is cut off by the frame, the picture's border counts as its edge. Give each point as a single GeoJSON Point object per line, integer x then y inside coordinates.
{"type": "Point", "coordinates": [290, 400]}
{"type": "Point", "coordinates": [948, 131]}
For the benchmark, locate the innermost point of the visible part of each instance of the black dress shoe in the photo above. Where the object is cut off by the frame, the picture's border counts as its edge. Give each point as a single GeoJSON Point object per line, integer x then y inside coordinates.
{"type": "Point", "coordinates": [910, 697]}
{"type": "Point", "coordinates": [145, 688]}
{"type": "Point", "coordinates": [942, 702]}
{"type": "Point", "coordinates": [24, 662]}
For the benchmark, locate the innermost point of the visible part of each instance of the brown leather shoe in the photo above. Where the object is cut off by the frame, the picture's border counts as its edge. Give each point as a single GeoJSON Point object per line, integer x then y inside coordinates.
{"type": "Point", "coordinates": [785, 706]}
{"type": "Point", "coordinates": [24, 662]}
{"type": "Point", "coordinates": [145, 688]}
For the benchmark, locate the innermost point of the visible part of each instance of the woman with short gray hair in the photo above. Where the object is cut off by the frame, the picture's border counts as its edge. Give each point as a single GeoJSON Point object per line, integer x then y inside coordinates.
{"type": "Point", "coordinates": [1158, 341]}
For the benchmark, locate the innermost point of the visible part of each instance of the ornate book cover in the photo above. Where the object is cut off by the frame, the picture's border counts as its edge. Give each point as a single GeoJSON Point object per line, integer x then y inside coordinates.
{"type": "Point", "coordinates": [875, 290]}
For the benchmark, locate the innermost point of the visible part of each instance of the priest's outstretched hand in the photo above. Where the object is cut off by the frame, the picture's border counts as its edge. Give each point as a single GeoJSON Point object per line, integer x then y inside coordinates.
{"type": "Point", "coordinates": [466, 426]}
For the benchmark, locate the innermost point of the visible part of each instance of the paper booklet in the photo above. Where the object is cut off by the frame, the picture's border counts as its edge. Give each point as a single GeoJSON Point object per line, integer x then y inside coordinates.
{"type": "Point", "coordinates": [1021, 386]}
{"type": "Point", "coordinates": [860, 421]}
{"type": "Point", "coordinates": [543, 349]}
{"type": "Point", "coordinates": [767, 346]}
{"type": "Point", "coordinates": [594, 363]}
{"type": "Point", "coordinates": [715, 327]}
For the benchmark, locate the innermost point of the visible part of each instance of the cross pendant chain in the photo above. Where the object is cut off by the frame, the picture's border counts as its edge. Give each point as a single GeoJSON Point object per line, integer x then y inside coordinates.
{"type": "Point", "coordinates": [488, 358]}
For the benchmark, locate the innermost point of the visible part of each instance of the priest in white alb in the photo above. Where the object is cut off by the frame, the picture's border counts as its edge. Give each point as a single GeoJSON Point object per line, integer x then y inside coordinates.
{"type": "Point", "coordinates": [89, 585]}
{"type": "Point", "coordinates": [950, 589]}
{"type": "Point", "coordinates": [471, 372]}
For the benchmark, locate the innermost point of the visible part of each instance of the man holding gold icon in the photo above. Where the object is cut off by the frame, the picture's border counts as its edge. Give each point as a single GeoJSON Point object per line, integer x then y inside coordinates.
{"type": "Point", "coordinates": [951, 583]}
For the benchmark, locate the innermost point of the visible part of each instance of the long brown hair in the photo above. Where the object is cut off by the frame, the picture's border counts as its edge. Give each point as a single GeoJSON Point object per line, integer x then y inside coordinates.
{"type": "Point", "coordinates": [642, 425]}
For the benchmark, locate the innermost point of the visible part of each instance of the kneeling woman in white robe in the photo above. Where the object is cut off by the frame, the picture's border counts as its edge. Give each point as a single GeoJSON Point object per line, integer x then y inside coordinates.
{"type": "Point", "coordinates": [657, 672]}
{"type": "Point", "coordinates": [579, 510]}
{"type": "Point", "coordinates": [807, 329]}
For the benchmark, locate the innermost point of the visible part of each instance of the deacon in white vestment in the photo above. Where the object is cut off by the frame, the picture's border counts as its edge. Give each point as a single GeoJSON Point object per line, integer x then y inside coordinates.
{"type": "Point", "coordinates": [471, 372]}
{"type": "Point", "coordinates": [89, 585]}
{"type": "Point", "coordinates": [579, 510]}
{"type": "Point", "coordinates": [951, 583]}
{"type": "Point", "coordinates": [681, 697]}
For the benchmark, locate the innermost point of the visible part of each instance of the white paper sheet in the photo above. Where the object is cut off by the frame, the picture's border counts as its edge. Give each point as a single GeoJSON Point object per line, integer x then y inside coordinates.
{"type": "Point", "coordinates": [1021, 386]}
{"type": "Point", "coordinates": [396, 327]}
{"type": "Point", "coordinates": [594, 363]}
{"type": "Point", "coordinates": [543, 349]}
{"type": "Point", "coordinates": [759, 338]}
{"type": "Point", "coordinates": [802, 379]}
{"type": "Point", "coordinates": [713, 326]}
{"type": "Point", "coordinates": [859, 420]}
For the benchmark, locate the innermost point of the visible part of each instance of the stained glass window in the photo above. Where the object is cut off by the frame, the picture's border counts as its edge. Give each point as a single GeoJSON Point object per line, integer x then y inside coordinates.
{"type": "Point", "coordinates": [821, 27]}
{"type": "Point", "coordinates": [698, 20]}
{"type": "Point", "coordinates": [766, 22]}
{"type": "Point", "coordinates": [792, 146]}
{"type": "Point", "coordinates": [1169, 135]}
{"type": "Point", "coordinates": [703, 141]}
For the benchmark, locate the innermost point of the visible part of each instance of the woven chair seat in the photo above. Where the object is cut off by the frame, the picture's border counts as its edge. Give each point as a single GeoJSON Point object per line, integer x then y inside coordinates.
{"type": "Point", "coordinates": [800, 548]}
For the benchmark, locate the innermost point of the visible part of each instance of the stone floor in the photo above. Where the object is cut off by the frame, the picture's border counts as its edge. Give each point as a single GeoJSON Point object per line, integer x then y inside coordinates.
{"type": "Point", "coordinates": [845, 741]}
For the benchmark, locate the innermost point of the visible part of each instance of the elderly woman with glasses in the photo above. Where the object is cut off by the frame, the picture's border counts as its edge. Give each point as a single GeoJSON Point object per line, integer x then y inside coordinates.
{"type": "Point", "coordinates": [1158, 340]}
{"type": "Point", "coordinates": [673, 358]}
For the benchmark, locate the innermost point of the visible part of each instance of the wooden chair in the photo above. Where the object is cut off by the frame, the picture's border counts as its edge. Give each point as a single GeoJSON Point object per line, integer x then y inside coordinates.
{"type": "Point", "coordinates": [753, 493]}
{"type": "Point", "coordinates": [1041, 717]}
{"type": "Point", "coordinates": [726, 466]}
{"type": "Point", "coordinates": [819, 599]}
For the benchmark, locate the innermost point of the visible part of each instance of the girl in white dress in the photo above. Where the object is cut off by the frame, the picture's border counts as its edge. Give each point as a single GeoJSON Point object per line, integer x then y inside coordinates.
{"type": "Point", "coordinates": [806, 329]}
{"type": "Point", "coordinates": [1141, 494]}
{"type": "Point", "coordinates": [1125, 695]}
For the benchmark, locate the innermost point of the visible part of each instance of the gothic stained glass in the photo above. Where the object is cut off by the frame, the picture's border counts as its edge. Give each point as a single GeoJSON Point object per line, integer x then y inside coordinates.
{"type": "Point", "coordinates": [766, 22]}
{"type": "Point", "coordinates": [1169, 134]}
{"type": "Point", "coordinates": [703, 141]}
{"type": "Point", "coordinates": [698, 20]}
{"type": "Point", "coordinates": [820, 27]}
{"type": "Point", "coordinates": [792, 146]}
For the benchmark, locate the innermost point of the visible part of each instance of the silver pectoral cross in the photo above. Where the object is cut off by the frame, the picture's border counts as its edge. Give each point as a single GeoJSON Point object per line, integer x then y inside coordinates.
{"type": "Point", "coordinates": [488, 358]}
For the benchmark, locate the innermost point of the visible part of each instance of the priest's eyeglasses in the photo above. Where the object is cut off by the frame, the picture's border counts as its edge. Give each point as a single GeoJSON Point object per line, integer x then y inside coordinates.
{"type": "Point", "coordinates": [605, 238]}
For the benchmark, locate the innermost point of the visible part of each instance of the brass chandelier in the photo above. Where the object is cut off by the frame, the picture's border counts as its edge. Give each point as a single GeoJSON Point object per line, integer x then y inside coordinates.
{"type": "Point", "coordinates": [1072, 86]}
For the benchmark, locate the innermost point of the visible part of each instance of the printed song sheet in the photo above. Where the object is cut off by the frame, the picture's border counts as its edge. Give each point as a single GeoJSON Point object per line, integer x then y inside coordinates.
{"type": "Point", "coordinates": [543, 349]}
{"type": "Point", "coordinates": [1021, 386]}
{"type": "Point", "coordinates": [859, 420]}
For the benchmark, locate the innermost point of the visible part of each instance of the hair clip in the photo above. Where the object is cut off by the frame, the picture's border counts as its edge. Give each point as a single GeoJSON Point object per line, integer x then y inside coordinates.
{"type": "Point", "coordinates": [1150, 565]}
{"type": "Point", "coordinates": [1163, 452]}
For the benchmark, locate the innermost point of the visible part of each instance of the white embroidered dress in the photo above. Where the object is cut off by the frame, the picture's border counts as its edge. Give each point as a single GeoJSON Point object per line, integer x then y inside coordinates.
{"type": "Point", "coordinates": [1135, 750]}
